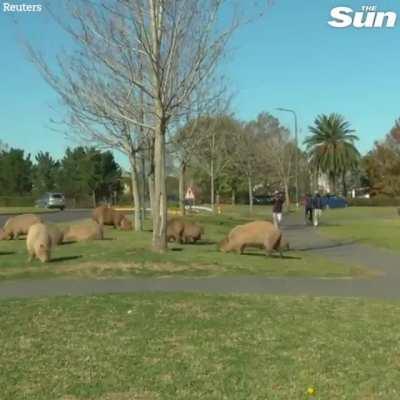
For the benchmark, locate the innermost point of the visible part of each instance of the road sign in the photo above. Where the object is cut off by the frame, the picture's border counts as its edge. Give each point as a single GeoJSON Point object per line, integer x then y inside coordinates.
{"type": "Point", "coordinates": [189, 194]}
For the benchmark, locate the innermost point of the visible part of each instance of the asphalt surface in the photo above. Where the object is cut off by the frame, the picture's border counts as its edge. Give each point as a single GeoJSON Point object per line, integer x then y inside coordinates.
{"type": "Point", "coordinates": [384, 263]}
{"type": "Point", "coordinates": [57, 216]}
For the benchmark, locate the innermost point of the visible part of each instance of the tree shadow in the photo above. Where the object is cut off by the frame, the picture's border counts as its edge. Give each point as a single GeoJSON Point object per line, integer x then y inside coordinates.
{"type": "Point", "coordinates": [67, 258]}
{"type": "Point", "coordinates": [6, 253]}
{"type": "Point", "coordinates": [202, 243]}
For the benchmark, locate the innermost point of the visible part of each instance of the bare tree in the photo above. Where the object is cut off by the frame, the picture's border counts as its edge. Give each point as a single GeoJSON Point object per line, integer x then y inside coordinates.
{"type": "Point", "coordinates": [159, 51]}
{"type": "Point", "coordinates": [247, 156]}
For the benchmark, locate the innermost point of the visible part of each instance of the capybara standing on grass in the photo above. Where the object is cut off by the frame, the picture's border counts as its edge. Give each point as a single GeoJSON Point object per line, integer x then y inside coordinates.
{"type": "Point", "coordinates": [104, 215]}
{"type": "Point", "coordinates": [81, 232]}
{"type": "Point", "coordinates": [38, 242]}
{"type": "Point", "coordinates": [254, 234]}
{"type": "Point", "coordinates": [183, 231]}
{"type": "Point", "coordinates": [2, 234]}
{"type": "Point", "coordinates": [56, 234]}
{"type": "Point", "coordinates": [175, 228]}
{"type": "Point", "coordinates": [19, 225]}
{"type": "Point", "coordinates": [192, 232]}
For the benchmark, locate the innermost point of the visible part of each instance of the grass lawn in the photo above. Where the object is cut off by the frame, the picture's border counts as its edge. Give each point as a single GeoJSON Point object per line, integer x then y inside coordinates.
{"type": "Point", "coordinates": [25, 210]}
{"type": "Point", "coordinates": [159, 346]}
{"type": "Point", "coordinates": [128, 253]}
{"type": "Point", "coordinates": [377, 226]}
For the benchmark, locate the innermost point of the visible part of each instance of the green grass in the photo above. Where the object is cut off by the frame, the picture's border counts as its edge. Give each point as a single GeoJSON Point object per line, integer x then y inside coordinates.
{"type": "Point", "coordinates": [129, 253]}
{"type": "Point", "coordinates": [25, 210]}
{"type": "Point", "coordinates": [159, 346]}
{"type": "Point", "coordinates": [377, 226]}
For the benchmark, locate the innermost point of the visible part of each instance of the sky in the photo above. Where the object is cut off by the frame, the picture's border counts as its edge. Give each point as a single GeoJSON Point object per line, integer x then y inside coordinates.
{"type": "Point", "coordinates": [289, 58]}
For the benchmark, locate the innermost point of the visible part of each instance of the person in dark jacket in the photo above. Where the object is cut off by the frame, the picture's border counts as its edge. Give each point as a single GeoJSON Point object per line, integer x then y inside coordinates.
{"type": "Point", "coordinates": [317, 206]}
{"type": "Point", "coordinates": [277, 208]}
{"type": "Point", "coordinates": [308, 208]}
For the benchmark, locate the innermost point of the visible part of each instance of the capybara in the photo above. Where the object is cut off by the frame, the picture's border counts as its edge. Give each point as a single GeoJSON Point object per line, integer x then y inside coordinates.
{"type": "Point", "coordinates": [175, 228]}
{"type": "Point", "coordinates": [55, 233]}
{"type": "Point", "coordinates": [19, 225]}
{"type": "Point", "coordinates": [254, 234]}
{"type": "Point", "coordinates": [104, 215]}
{"type": "Point", "coordinates": [81, 232]}
{"type": "Point", "coordinates": [38, 242]}
{"type": "Point", "coordinates": [192, 232]}
{"type": "Point", "coordinates": [2, 234]}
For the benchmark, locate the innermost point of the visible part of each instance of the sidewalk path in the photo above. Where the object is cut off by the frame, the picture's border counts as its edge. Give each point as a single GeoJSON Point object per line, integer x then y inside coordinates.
{"type": "Point", "coordinates": [301, 237]}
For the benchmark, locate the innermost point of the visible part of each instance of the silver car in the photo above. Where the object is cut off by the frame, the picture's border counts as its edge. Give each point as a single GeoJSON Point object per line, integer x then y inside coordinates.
{"type": "Point", "coordinates": [51, 200]}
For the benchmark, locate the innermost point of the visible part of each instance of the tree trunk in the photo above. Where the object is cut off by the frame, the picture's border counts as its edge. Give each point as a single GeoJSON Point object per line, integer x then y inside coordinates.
{"type": "Point", "coordinates": [344, 184]}
{"type": "Point", "coordinates": [150, 183]}
{"type": "Point", "coordinates": [160, 190]}
{"type": "Point", "coordinates": [135, 193]}
{"type": "Point", "coordinates": [233, 197]}
{"type": "Point", "coordinates": [250, 194]}
{"type": "Point", "coordinates": [212, 189]}
{"type": "Point", "coordinates": [94, 199]}
{"type": "Point", "coordinates": [142, 192]}
{"type": "Point", "coordinates": [182, 187]}
{"type": "Point", "coordinates": [287, 198]}
{"type": "Point", "coordinates": [333, 181]}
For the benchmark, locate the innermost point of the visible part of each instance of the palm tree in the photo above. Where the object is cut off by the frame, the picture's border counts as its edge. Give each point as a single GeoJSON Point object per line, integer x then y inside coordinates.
{"type": "Point", "coordinates": [331, 147]}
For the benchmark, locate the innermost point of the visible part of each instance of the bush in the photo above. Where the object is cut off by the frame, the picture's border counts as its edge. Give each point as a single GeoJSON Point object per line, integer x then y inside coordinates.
{"type": "Point", "coordinates": [17, 201]}
{"type": "Point", "coordinates": [376, 201]}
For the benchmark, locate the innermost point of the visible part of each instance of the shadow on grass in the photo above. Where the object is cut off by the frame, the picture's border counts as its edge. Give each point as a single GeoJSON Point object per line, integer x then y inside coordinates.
{"type": "Point", "coordinates": [277, 256]}
{"type": "Point", "coordinates": [327, 246]}
{"type": "Point", "coordinates": [6, 253]}
{"type": "Point", "coordinates": [61, 259]}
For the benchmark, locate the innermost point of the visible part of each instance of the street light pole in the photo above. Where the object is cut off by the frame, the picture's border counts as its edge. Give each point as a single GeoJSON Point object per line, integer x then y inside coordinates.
{"type": "Point", "coordinates": [296, 156]}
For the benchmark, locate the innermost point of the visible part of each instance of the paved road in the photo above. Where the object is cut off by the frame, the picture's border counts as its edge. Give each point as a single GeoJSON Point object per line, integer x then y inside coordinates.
{"type": "Point", "coordinates": [302, 238]}
{"type": "Point", "coordinates": [58, 216]}
{"type": "Point", "coordinates": [378, 288]}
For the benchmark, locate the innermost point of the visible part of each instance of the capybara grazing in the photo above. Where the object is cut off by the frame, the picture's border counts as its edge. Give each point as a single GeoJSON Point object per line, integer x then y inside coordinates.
{"type": "Point", "coordinates": [175, 228]}
{"type": "Point", "coordinates": [104, 215]}
{"type": "Point", "coordinates": [19, 225]}
{"type": "Point", "coordinates": [38, 242]}
{"type": "Point", "coordinates": [254, 234]}
{"type": "Point", "coordinates": [192, 232]}
{"type": "Point", "coordinates": [56, 234]}
{"type": "Point", "coordinates": [81, 232]}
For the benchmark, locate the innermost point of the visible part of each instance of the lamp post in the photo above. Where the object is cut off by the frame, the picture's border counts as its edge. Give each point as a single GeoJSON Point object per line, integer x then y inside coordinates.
{"type": "Point", "coordinates": [296, 161]}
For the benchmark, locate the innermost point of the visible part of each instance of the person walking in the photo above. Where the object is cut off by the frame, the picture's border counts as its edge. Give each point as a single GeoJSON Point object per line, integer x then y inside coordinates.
{"type": "Point", "coordinates": [308, 209]}
{"type": "Point", "coordinates": [317, 206]}
{"type": "Point", "coordinates": [277, 207]}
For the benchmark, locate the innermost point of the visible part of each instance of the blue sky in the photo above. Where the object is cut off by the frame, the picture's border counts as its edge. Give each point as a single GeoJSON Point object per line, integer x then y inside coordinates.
{"type": "Point", "coordinates": [290, 58]}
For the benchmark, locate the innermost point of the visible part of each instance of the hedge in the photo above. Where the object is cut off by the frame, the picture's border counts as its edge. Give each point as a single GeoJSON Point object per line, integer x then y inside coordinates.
{"type": "Point", "coordinates": [17, 201]}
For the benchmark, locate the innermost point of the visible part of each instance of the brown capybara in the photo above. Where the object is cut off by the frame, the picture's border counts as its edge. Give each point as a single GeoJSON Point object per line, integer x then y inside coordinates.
{"type": "Point", "coordinates": [81, 232]}
{"type": "Point", "coordinates": [254, 234]}
{"type": "Point", "coordinates": [19, 225]}
{"type": "Point", "coordinates": [56, 234]}
{"type": "Point", "coordinates": [192, 232]}
{"type": "Point", "coordinates": [175, 228]}
{"type": "Point", "coordinates": [104, 215]}
{"type": "Point", "coordinates": [38, 242]}
{"type": "Point", "coordinates": [2, 234]}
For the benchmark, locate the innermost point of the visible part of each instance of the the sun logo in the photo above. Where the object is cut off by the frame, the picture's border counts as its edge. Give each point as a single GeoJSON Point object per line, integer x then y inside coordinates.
{"type": "Point", "coordinates": [369, 17]}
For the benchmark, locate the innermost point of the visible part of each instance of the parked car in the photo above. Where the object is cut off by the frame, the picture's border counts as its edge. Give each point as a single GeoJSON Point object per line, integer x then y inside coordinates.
{"type": "Point", "coordinates": [51, 200]}
{"type": "Point", "coordinates": [332, 201]}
